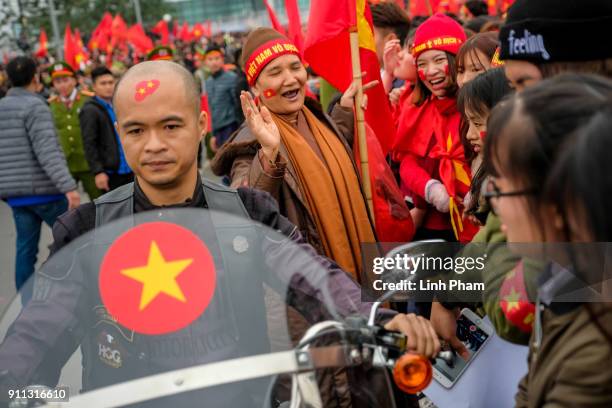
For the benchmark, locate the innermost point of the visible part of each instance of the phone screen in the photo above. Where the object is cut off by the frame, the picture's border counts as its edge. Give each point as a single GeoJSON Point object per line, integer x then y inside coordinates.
{"type": "Point", "coordinates": [473, 337]}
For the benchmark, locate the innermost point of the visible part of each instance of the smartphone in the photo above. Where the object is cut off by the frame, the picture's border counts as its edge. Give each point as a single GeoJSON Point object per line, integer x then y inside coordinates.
{"type": "Point", "coordinates": [474, 333]}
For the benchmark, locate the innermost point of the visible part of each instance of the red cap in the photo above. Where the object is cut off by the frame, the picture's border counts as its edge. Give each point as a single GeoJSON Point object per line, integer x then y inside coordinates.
{"type": "Point", "coordinates": [438, 32]}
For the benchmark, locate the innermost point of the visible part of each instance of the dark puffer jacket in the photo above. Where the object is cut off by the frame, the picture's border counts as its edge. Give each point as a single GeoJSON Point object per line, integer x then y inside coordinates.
{"type": "Point", "coordinates": [31, 159]}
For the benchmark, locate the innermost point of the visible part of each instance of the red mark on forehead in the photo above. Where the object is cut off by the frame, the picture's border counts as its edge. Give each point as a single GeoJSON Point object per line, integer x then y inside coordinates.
{"type": "Point", "coordinates": [269, 93]}
{"type": "Point", "coordinates": [421, 73]}
{"type": "Point", "coordinates": [145, 88]}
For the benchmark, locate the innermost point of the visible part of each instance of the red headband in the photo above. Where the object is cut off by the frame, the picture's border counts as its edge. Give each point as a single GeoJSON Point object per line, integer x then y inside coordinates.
{"type": "Point", "coordinates": [265, 54]}
{"type": "Point", "coordinates": [446, 43]}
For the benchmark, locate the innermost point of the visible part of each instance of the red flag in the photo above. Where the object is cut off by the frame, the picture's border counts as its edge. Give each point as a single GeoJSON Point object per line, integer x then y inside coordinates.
{"type": "Point", "coordinates": [161, 29]}
{"type": "Point", "coordinates": [273, 19]}
{"type": "Point", "coordinates": [82, 55]}
{"type": "Point", "coordinates": [392, 215]}
{"type": "Point", "coordinates": [205, 107]}
{"type": "Point", "coordinates": [329, 25]}
{"type": "Point", "coordinates": [175, 30]}
{"type": "Point", "coordinates": [197, 32]}
{"type": "Point", "coordinates": [506, 5]}
{"type": "Point", "coordinates": [398, 2]}
{"type": "Point", "coordinates": [138, 39]}
{"type": "Point", "coordinates": [423, 7]}
{"type": "Point", "coordinates": [447, 6]}
{"type": "Point", "coordinates": [208, 32]}
{"type": "Point", "coordinates": [185, 35]}
{"type": "Point", "coordinates": [295, 24]}
{"type": "Point", "coordinates": [119, 31]}
{"type": "Point", "coordinates": [70, 49]}
{"type": "Point", "coordinates": [101, 34]}
{"type": "Point", "coordinates": [329, 28]}
{"type": "Point", "coordinates": [43, 45]}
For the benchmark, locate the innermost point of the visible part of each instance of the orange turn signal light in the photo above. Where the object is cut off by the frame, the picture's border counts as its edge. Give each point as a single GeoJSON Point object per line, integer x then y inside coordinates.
{"type": "Point", "coordinates": [412, 373]}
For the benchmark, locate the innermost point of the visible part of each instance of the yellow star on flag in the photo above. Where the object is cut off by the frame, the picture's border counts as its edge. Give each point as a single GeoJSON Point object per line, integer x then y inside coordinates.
{"type": "Point", "coordinates": [141, 91]}
{"type": "Point", "coordinates": [513, 300]}
{"type": "Point", "coordinates": [150, 84]}
{"type": "Point", "coordinates": [158, 276]}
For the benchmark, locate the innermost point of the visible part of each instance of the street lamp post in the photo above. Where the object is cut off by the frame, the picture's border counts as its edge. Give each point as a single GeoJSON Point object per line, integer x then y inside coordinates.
{"type": "Point", "coordinates": [59, 52]}
{"type": "Point", "coordinates": [137, 11]}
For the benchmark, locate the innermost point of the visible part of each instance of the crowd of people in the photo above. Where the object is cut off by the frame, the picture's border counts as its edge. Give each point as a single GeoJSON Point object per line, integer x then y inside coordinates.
{"type": "Point", "coordinates": [503, 128]}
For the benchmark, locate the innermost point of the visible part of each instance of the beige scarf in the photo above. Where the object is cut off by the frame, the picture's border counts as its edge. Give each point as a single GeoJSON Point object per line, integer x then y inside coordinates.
{"type": "Point", "coordinates": [331, 191]}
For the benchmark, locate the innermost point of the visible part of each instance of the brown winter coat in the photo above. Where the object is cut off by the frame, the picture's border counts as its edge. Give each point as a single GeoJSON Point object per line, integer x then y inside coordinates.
{"type": "Point", "coordinates": [239, 159]}
{"type": "Point", "coordinates": [573, 365]}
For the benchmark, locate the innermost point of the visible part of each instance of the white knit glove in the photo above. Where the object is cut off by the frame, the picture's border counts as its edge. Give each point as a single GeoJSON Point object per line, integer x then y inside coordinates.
{"type": "Point", "coordinates": [436, 195]}
{"type": "Point", "coordinates": [467, 200]}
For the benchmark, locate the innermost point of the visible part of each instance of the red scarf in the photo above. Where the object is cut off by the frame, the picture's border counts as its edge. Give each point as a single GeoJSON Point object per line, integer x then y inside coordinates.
{"type": "Point", "coordinates": [438, 118]}
{"type": "Point", "coordinates": [415, 124]}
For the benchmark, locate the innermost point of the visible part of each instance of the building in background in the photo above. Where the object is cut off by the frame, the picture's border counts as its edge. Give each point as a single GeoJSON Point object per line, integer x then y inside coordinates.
{"type": "Point", "coordinates": [232, 15]}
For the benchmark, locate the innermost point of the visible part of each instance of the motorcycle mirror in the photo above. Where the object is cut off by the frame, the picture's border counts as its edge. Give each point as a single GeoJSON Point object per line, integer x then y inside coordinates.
{"type": "Point", "coordinates": [412, 250]}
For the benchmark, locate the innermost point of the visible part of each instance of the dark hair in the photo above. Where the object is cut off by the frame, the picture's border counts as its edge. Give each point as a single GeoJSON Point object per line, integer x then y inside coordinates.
{"type": "Point", "coordinates": [581, 188]}
{"type": "Point", "coordinates": [482, 93]}
{"type": "Point", "coordinates": [582, 173]}
{"type": "Point", "coordinates": [480, 96]}
{"type": "Point", "coordinates": [21, 71]}
{"type": "Point", "coordinates": [417, 21]}
{"type": "Point", "coordinates": [421, 93]}
{"type": "Point", "coordinates": [477, 23]}
{"type": "Point", "coordinates": [601, 67]}
{"type": "Point", "coordinates": [477, 7]}
{"type": "Point", "coordinates": [486, 43]}
{"type": "Point", "coordinates": [390, 16]}
{"type": "Point", "coordinates": [526, 133]}
{"type": "Point", "coordinates": [99, 71]}
{"type": "Point", "coordinates": [494, 25]}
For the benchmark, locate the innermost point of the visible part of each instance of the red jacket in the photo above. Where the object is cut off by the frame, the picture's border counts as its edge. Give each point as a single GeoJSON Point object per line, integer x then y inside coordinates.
{"type": "Point", "coordinates": [428, 146]}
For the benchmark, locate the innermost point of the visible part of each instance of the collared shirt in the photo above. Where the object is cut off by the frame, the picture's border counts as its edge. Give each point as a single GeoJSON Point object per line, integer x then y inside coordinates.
{"type": "Point", "coordinates": [70, 99]}
{"type": "Point", "coordinates": [560, 290]}
{"type": "Point", "coordinates": [124, 168]}
{"type": "Point", "coordinates": [142, 203]}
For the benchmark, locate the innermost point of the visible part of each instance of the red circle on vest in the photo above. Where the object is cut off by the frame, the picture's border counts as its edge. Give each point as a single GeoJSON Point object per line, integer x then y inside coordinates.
{"type": "Point", "coordinates": [157, 278]}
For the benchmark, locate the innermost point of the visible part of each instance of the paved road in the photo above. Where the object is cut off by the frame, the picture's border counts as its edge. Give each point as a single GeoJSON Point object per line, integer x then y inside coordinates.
{"type": "Point", "coordinates": [71, 374]}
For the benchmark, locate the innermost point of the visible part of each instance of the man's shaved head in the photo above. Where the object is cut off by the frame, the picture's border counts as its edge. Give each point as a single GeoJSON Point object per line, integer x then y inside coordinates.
{"type": "Point", "coordinates": [161, 127]}
{"type": "Point", "coordinates": [166, 71]}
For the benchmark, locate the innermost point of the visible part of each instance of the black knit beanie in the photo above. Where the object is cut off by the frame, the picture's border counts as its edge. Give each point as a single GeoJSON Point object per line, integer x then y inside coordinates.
{"type": "Point", "coordinates": [557, 30]}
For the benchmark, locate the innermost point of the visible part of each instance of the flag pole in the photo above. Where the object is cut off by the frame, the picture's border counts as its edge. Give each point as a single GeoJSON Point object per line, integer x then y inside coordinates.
{"type": "Point", "coordinates": [429, 8]}
{"type": "Point", "coordinates": [361, 130]}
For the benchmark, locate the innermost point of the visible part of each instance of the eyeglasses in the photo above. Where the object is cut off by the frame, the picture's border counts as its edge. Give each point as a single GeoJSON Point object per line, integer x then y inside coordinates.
{"type": "Point", "coordinates": [490, 190]}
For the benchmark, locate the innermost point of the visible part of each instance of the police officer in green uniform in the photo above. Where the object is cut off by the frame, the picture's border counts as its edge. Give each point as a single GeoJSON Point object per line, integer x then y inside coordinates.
{"type": "Point", "coordinates": [161, 53]}
{"type": "Point", "coordinates": [65, 107]}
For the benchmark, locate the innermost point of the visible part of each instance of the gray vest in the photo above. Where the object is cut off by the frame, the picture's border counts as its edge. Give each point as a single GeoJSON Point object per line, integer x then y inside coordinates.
{"type": "Point", "coordinates": [119, 203]}
{"type": "Point", "coordinates": [242, 267]}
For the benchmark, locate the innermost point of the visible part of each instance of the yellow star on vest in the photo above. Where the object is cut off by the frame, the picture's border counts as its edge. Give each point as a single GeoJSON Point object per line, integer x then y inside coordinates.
{"type": "Point", "coordinates": [513, 300]}
{"type": "Point", "coordinates": [158, 276]}
{"type": "Point", "coordinates": [528, 320]}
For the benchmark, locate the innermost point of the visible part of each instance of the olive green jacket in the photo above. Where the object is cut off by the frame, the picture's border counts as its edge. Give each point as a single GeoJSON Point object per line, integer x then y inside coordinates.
{"type": "Point", "coordinates": [69, 131]}
{"type": "Point", "coordinates": [572, 365]}
{"type": "Point", "coordinates": [510, 284]}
